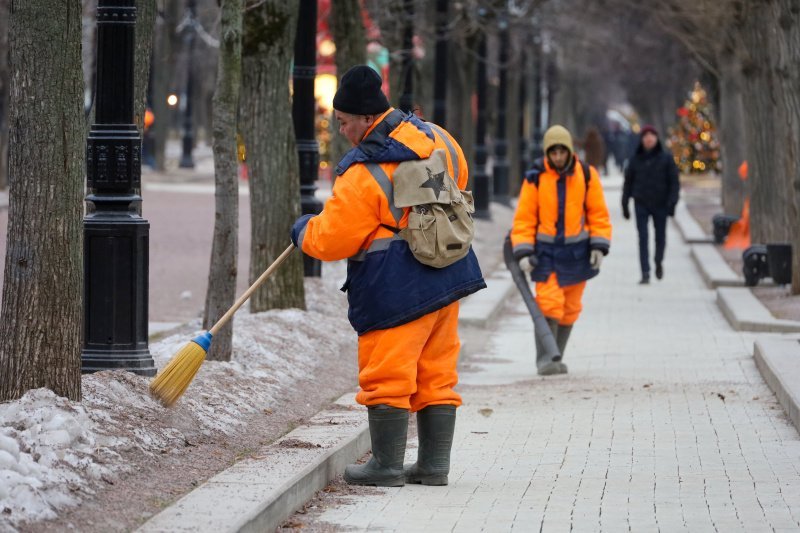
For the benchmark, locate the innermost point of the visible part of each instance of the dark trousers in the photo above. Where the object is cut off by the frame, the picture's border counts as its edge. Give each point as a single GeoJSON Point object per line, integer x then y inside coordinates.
{"type": "Point", "coordinates": [659, 216]}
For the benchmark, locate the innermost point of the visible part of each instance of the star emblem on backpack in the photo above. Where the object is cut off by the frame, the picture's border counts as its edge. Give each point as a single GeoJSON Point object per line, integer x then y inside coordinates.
{"type": "Point", "coordinates": [435, 182]}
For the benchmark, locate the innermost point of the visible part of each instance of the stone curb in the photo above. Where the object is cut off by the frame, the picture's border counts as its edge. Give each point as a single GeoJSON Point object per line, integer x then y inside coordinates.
{"type": "Point", "coordinates": [746, 313]}
{"type": "Point", "coordinates": [779, 363]}
{"type": "Point", "coordinates": [713, 268]}
{"type": "Point", "coordinates": [688, 227]}
{"type": "Point", "coordinates": [258, 494]}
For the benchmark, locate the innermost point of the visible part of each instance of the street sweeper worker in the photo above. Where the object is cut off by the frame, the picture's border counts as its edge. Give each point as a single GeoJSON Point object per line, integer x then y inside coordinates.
{"type": "Point", "coordinates": [405, 312]}
{"type": "Point", "coordinates": [561, 232]}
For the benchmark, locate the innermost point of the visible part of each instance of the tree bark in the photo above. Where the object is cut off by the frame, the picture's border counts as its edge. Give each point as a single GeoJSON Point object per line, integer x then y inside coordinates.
{"type": "Point", "coordinates": [221, 292]}
{"type": "Point", "coordinates": [462, 73]}
{"type": "Point", "coordinates": [4, 81]}
{"type": "Point", "coordinates": [145, 26]}
{"type": "Point", "coordinates": [348, 32]}
{"type": "Point", "coordinates": [731, 132]}
{"type": "Point", "coordinates": [269, 28]}
{"type": "Point", "coordinates": [786, 28]}
{"type": "Point", "coordinates": [41, 316]}
{"type": "Point", "coordinates": [163, 67]}
{"type": "Point", "coordinates": [766, 136]}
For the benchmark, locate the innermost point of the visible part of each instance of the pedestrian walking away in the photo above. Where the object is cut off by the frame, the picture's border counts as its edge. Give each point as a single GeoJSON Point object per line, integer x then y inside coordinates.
{"type": "Point", "coordinates": [560, 234]}
{"type": "Point", "coordinates": [404, 312]}
{"type": "Point", "coordinates": [651, 179]}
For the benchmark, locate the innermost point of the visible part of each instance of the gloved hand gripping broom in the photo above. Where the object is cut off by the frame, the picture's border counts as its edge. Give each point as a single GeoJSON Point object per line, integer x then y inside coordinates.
{"type": "Point", "coordinates": [174, 378]}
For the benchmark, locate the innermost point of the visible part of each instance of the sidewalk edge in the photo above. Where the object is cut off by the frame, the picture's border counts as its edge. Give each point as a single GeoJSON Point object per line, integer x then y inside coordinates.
{"type": "Point", "coordinates": [745, 312]}
{"type": "Point", "coordinates": [778, 360]}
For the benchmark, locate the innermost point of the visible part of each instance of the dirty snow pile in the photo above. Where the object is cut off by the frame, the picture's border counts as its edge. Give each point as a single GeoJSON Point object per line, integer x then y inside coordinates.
{"type": "Point", "coordinates": [53, 451]}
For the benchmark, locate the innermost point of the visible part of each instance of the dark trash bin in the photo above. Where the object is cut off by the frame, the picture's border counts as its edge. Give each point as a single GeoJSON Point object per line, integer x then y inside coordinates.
{"type": "Point", "coordinates": [779, 260]}
{"type": "Point", "coordinates": [722, 224]}
{"type": "Point", "coordinates": [755, 265]}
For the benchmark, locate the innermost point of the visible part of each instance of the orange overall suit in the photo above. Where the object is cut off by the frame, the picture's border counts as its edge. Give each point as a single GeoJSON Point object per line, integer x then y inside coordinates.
{"type": "Point", "coordinates": [561, 218]}
{"type": "Point", "coordinates": [406, 313]}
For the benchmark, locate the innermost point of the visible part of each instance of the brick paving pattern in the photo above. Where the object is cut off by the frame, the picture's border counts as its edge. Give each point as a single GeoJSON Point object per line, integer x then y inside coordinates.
{"type": "Point", "coordinates": [663, 423]}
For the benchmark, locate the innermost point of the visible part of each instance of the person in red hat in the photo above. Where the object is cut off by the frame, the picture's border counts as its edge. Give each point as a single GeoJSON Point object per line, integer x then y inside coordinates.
{"type": "Point", "coordinates": [651, 179]}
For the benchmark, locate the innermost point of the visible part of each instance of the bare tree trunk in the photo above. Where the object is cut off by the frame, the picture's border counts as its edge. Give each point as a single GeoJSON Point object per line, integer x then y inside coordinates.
{"type": "Point", "coordinates": [350, 37]}
{"type": "Point", "coordinates": [786, 28]}
{"type": "Point", "coordinates": [731, 132]}
{"type": "Point", "coordinates": [267, 50]}
{"type": "Point", "coordinates": [769, 201]}
{"type": "Point", "coordinates": [221, 291]}
{"type": "Point", "coordinates": [41, 316]}
{"type": "Point", "coordinates": [163, 67]}
{"type": "Point", "coordinates": [4, 81]}
{"type": "Point", "coordinates": [145, 25]}
{"type": "Point", "coordinates": [460, 88]}
{"type": "Point", "coordinates": [390, 17]}
{"type": "Point", "coordinates": [515, 72]}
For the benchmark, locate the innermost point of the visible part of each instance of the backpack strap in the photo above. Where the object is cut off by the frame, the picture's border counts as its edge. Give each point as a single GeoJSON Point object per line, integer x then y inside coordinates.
{"type": "Point", "coordinates": [587, 176]}
{"type": "Point", "coordinates": [450, 148]}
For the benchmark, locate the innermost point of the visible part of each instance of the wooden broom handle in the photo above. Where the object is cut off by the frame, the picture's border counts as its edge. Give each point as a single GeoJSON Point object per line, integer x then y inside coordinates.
{"type": "Point", "coordinates": [243, 298]}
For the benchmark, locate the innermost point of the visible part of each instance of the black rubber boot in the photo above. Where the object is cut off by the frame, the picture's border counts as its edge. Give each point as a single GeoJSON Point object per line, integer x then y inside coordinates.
{"type": "Point", "coordinates": [435, 427]}
{"type": "Point", "coordinates": [388, 428]}
{"type": "Point", "coordinates": [561, 341]}
{"type": "Point", "coordinates": [554, 366]}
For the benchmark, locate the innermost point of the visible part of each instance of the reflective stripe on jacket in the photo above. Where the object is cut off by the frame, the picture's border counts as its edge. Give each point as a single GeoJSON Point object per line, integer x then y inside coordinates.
{"type": "Point", "coordinates": [560, 220]}
{"type": "Point", "coordinates": [386, 286]}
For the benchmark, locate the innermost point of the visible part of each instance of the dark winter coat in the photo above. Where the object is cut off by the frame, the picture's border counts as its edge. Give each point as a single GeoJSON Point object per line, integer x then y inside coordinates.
{"type": "Point", "coordinates": [651, 179]}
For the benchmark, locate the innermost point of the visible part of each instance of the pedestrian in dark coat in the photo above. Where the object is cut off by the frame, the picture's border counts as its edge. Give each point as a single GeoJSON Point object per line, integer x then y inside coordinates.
{"type": "Point", "coordinates": [595, 149]}
{"type": "Point", "coordinates": [651, 179]}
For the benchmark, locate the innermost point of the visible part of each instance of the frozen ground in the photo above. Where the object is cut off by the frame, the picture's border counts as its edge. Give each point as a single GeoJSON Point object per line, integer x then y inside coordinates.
{"type": "Point", "coordinates": [56, 454]}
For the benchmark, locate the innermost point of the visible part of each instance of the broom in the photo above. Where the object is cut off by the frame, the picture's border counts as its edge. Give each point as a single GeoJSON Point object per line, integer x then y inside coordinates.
{"type": "Point", "coordinates": [174, 378]}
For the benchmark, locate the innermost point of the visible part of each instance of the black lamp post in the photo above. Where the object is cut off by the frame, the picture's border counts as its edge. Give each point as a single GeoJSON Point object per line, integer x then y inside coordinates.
{"type": "Point", "coordinates": [188, 128]}
{"type": "Point", "coordinates": [440, 75]}
{"type": "Point", "coordinates": [303, 113]}
{"type": "Point", "coordinates": [500, 144]}
{"type": "Point", "coordinates": [482, 184]}
{"type": "Point", "coordinates": [406, 102]}
{"type": "Point", "coordinates": [536, 121]}
{"type": "Point", "coordinates": [523, 97]}
{"type": "Point", "coordinates": [116, 238]}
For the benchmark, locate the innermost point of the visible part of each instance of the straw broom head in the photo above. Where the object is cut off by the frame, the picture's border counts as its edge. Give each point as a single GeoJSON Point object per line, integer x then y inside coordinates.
{"type": "Point", "coordinates": [172, 381]}
{"type": "Point", "coordinates": [174, 378]}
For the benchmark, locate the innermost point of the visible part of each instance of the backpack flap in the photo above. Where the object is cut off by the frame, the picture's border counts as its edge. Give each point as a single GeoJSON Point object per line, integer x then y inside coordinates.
{"type": "Point", "coordinates": [423, 181]}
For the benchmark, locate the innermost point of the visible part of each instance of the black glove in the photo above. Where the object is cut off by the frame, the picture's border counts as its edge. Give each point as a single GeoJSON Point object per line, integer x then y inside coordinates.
{"type": "Point", "coordinates": [625, 211]}
{"type": "Point", "coordinates": [671, 210]}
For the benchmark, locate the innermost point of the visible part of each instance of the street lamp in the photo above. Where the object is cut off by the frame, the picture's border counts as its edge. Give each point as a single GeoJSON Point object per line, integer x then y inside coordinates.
{"type": "Point", "coordinates": [303, 114]}
{"type": "Point", "coordinates": [115, 256]}
{"type": "Point", "coordinates": [482, 184]}
{"type": "Point", "coordinates": [188, 133]}
{"type": "Point", "coordinates": [440, 70]}
{"type": "Point", "coordinates": [406, 102]}
{"type": "Point", "coordinates": [523, 97]}
{"type": "Point", "coordinates": [500, 145]}
{"type": "Point", "coordinates": [537, 129]}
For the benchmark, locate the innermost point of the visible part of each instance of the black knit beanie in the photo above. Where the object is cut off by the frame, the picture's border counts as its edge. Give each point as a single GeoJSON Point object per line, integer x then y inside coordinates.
{"type": "Point", "coordinates": [359, 92]}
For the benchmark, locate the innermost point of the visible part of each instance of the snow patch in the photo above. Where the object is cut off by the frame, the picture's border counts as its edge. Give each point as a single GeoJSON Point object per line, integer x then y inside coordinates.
{"type": "Point", "coordinates": [55, 452]}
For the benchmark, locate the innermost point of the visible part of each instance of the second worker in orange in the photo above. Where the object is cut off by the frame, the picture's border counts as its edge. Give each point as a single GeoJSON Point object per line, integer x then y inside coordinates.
{"type": "Point", "coordinates": [560, 234]}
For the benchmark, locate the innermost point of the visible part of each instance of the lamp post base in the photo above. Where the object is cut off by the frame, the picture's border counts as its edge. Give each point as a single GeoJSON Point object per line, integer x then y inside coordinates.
{"type": "Point", "coordinates": [139, 362]}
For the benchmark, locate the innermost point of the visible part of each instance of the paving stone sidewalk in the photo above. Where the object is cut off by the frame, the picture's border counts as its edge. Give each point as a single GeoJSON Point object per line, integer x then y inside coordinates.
{"type": "Point", "coordinates": [663, 424]}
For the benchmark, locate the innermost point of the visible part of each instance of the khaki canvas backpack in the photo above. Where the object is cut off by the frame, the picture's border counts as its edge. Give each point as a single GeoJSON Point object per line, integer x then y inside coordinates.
{"type": "Point", "coordinates": [440, 227]}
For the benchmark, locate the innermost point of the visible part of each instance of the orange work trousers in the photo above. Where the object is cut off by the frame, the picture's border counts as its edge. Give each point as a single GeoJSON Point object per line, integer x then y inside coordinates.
{"type": "Point", "coordinates": [560, 303]}
{"type": "Point", "coordinates": [412, 365]}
